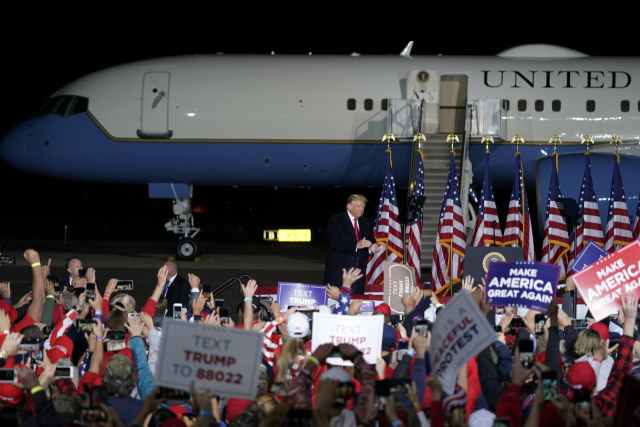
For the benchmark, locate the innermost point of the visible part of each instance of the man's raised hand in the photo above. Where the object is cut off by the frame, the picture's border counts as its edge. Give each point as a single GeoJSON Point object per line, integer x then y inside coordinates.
{"type": "Point", "coordinates": [333, 292]}
{"type": "Point", "coordinates": [91, 275]}
{"type": "Point", "coordinates": [31, 256]}
{"type": "Point", "coordinates": [194, 281]}
{"type": "Point", "coordinates": [467, 283]}
{"type": "Point", "coordinates": [5, 289]}
{"type": "Point", "coordinates": [162, 275]}
{"type": "Point", "coordinates": [250, 289]}
{"type": "Point", "coordinates": [349, 277]}
{"type": "Point", "coordinates": [46, 270]}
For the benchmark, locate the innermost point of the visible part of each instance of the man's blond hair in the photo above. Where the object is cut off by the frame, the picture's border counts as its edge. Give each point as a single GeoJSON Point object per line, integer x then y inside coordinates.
{"type": "Point", "coordinates": [352, 198]}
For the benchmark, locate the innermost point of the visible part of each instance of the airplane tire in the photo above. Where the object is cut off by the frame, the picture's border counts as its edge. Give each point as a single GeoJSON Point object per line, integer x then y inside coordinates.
{"type": "Point", "coordinates": [188, 249]}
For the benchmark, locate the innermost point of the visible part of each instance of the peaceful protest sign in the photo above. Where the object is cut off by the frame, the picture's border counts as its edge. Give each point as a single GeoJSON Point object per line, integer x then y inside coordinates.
{"type": "Point", "coordinates": [461, 331]}
{"type": "Point", "coordinates": [300, 294]}
{"type": "Point", "coordinates": [601, 284]}
{"type": "Point", "coordinates": [527, 284]}
{"type": "Point", "coordinates": [363, 332]}
{"type": "Point", "coordinates": [591, 253]}
{"type": "Point", "coordinates": [399, 279]}
{"type": "Point", "coordinates": [218, 359]}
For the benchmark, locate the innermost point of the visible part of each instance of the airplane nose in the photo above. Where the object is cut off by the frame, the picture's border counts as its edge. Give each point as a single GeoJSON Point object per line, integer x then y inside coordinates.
{"type": "Point", "coordinates": [13, 148]}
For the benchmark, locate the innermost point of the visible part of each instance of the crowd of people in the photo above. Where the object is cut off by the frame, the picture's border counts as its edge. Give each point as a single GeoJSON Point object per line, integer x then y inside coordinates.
{"type": "Point", "coordinates": [86, 357]}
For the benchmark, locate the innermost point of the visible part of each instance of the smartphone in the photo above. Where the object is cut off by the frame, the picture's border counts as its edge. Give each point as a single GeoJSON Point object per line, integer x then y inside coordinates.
{"type": "Point", "coordinates": [177, 309]}
{"type": "Point", "coordinates": [85, 325]}
{"type": "Point", "coordinates": [549, 385]}
{"type": "Point", "coordinates": [173, 394]}
{"type": "Point", "coordinates": [539, 320]}
{"type": "Point", "coordinates": [345, 392]}
{"type": "Point", "coordinates": [276, 389]}
{"type": "Point", "coordinates": [395, 319]}
{"type": "Point", "coordinates": [198, 318]}
{"type": "Point", "coordinates": [90, 292]}
{"type": "Point", "coordinates": [501, 422]}
{"type": "Point", "coordinates": [8, 260]}
{"type": "Point", "coordinates": [516, 322]}
{"type": "Point", "coordinates": [63, 372]}
{"type": "Point", "coordinates": [498, 329]}
{"type": "Point", "coordinates": [403, 346]}
{"type": "Point", "coordinates": [526, 353]}
{"type": "Point", "coordinates": [116, 335]}
{"type": "Point", "coordinates": [367, 306]}
{"type": "Point", "coordinates": [422, 327]}
{"type": "Point", "coordinates": [219, 303]}
{"type": "Point", "coordinates": [499, 310]}
{"type": "Point", "coordinates": [135, 316]}
{"type": "Point", "coordinates": [124, 285]}
{"type": "Point", "coordinates": [581, 323]}
{"type": "Point", "coordinates": [582, 405]}
{"type": "Point", "coordinates": [30, 344]}
{"type": "Point", "coordinates": [206, 290]}
{"type": "Point", "coordinates": [115, 345]}
{"type": "Point", "coordinates": [336, 352]}
{"type": "Point", "coordinates": [8, 376]}
{"type": "Point", "coordinates": [56, 291]}
{"type": "Point", "coordinates": [82, 273]}
{"type": "Point", "coordinates": [223, 312]}
{"type": "Point", "coordinates": [387, 387]}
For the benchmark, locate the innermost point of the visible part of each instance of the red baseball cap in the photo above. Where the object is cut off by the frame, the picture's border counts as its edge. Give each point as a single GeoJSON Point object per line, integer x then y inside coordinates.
{"type": "Point", "coordinates": [581, 376]}
{"type": "Point", "coordinates": [383, 308]}
{"type": "Point", "coordinates": [600, 328]}
{"type": "Point", "coordinates": [61, 350]}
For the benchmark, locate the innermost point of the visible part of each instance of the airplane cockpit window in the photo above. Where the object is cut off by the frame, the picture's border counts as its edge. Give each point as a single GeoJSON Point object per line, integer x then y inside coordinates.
{"type": "Point", "coordinates": [48, 105]}
{"type": "Point", "coordinates": [61, 107]}
{"type": "Point", "coordinates": [624, 106]}
{"type": "Point", "coordinates": [79, 105]}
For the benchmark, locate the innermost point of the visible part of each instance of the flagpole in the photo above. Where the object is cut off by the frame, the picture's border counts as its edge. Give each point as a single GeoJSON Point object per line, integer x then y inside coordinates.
{"type": "Point", "coordinates": [388, 137]}
{"type": "Point", "coordinates": [518, 139]}
{"type": "Point", "coordinates": [452, 138]}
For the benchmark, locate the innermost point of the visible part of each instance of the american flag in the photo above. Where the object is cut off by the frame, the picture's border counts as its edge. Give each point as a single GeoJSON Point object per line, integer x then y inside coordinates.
{"type": "Point", "coordinates": [414, 234]}
{"type": "Point", "coordinates": [556, 237]}
{"type": "Point", "coordinates": [618, 232]}
{"type": "Point", "coordinates": [448, 254]}
{"type": "Point", "coordinates": [636, 227]}
{"type": "Point", "coordinates": [485, 234]}
{"type": "Point", "coordinates": [386, 230]}
{"type": "Point", "coordinates": [591, 228]}
{"type": "Point", "coordinates": [518, 230]}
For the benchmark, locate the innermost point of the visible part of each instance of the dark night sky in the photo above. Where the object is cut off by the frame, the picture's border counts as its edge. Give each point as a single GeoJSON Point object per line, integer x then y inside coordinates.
{"type": "Point", "coordinates": [45, 48]}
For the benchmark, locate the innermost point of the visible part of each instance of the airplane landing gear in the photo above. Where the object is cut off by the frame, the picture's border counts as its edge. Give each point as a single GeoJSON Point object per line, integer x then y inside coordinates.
{"type": "Point", "coordinates": [188, 247]}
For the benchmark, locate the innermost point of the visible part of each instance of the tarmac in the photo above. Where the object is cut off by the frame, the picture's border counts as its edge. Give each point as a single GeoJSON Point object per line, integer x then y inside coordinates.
{"type": "Point", "coordinates": [266, 262]}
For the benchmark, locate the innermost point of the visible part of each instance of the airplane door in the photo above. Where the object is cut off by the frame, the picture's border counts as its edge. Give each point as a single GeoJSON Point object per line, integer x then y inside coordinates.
{"type": "Point", "coordinates": [154, 116]}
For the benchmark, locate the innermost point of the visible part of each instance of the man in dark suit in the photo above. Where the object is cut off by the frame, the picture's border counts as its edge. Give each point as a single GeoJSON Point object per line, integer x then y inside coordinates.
{"type": "Point", "coordinates": [73, 265]}
{"type": "Point", "coordinates": [350, 242]}
{"type": "Point", "coordinates": [177, 289]}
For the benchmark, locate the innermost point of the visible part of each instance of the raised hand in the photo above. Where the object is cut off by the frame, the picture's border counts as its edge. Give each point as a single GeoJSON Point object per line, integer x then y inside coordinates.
{"type": "Point", "coordinates": [351, 276]}
{"type": "Point", "coordinates": [354, 307]}
{"type": "Point", "coordinates": [147, 320]}
{"type": "Point", "coordinates": [162, 275]}
{"type": "Point", "coordinates": [22, 301]}
{"type": "Point", "coordinates": [91, 275]}
{"type": "Point", "coordinates": [275, 309]}
{"type": "Point", "coordinates": [5, 289]}
{"type": "Point", "coordinates": [467, 283]}
{"type": "Point", "coordinates": [250, 289]}
{"type": "Point", "coordinates": [333, 292]}
{"type": "Point", "coordinates": [194, 281]}
{"type": "Point", "coordinates": [213, 319]}
{"type": "Point", "coordinates": [504, 322]}
{"type": "Point", "coordinates": [31, 256]}
{"type": "Point", "coordinates": [11, 343]}
{"type": "Point", "coordinates": [46, 270]}
{"type": "Point", "coordinates": [407, 301]}
{"type": "Point", "coordinates": [111, 287]}
{"type": "Point", "coordinates": [134, 327]}
{"type": "Point", "coordinates": [96, 303]}
{"type": "Point", "coordinates": [198, 305]}
{"type": "Point", "coordinates": [381, 367]}
{"type": "Point", "coordinates": [417, 295]}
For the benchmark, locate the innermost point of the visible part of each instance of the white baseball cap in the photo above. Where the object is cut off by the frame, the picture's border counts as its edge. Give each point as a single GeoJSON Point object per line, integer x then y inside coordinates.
{"type": "Point", "coordinates": [298, 325]}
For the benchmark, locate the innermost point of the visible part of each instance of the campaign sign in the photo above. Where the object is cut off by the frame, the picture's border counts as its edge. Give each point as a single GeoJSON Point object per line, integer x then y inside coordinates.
{"type": "Point", "coordinates": [362, 332]}
{"type": "Point", "coordinates": [460, 332]}
{"type": "Point", "coordinates": [399, 280]}
{"type": "Point", "coordinates": [591, 253]}
{"type": "Point", "coordinates": [601, 284]}
{"type": "Point", "coordinates": [527, 284]}
{"type": "Point", "coordinates": [297, 294]}
{"type": "Point", "coordinates": [222, 360]}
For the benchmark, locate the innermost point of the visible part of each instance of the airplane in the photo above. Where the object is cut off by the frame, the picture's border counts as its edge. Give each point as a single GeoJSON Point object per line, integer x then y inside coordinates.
{"type": "Point", "coordinates": [236, 120]}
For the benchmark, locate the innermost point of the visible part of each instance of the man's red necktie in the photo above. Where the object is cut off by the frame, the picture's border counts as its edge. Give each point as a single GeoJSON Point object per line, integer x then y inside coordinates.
{"type": "Point", "coordinates": [355, 225]}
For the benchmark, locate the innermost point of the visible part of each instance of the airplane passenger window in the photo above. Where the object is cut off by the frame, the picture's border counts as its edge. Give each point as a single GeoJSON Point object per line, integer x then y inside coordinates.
{"type": "Point", "coordinates": [539, 105]}
{"type": "Point", "coordinates": [591, 106]}
{"type": "Point", "coordinates": [506, 104]}
{"type": "Point", "coordinates": [78, 105]}
{"type": "Point", "coordinates": [555, 105]}
{"type": "Point", "coordinates": [368, 104]}
{"type": "Point", "coordinates": [61, 108]}
{"type": "Point", "coordinates": [522, 105]}
{"type": "Point", "coordinates": [48, 105]}
{"type": "Point", "coordinates": [624, 106]}
{"type": "Point", "coordinates": [351, 104]}
{"type": "Point", "coordinates": [384, 104]}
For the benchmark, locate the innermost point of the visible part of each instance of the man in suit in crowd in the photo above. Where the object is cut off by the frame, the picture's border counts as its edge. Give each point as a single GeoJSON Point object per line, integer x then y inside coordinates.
{"type": "Point", "coordinates": [177, 289]}
{"type": "Point", "coordinates": [350, 243]}
{"type": "Point", "coordinates": [73, 265]}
